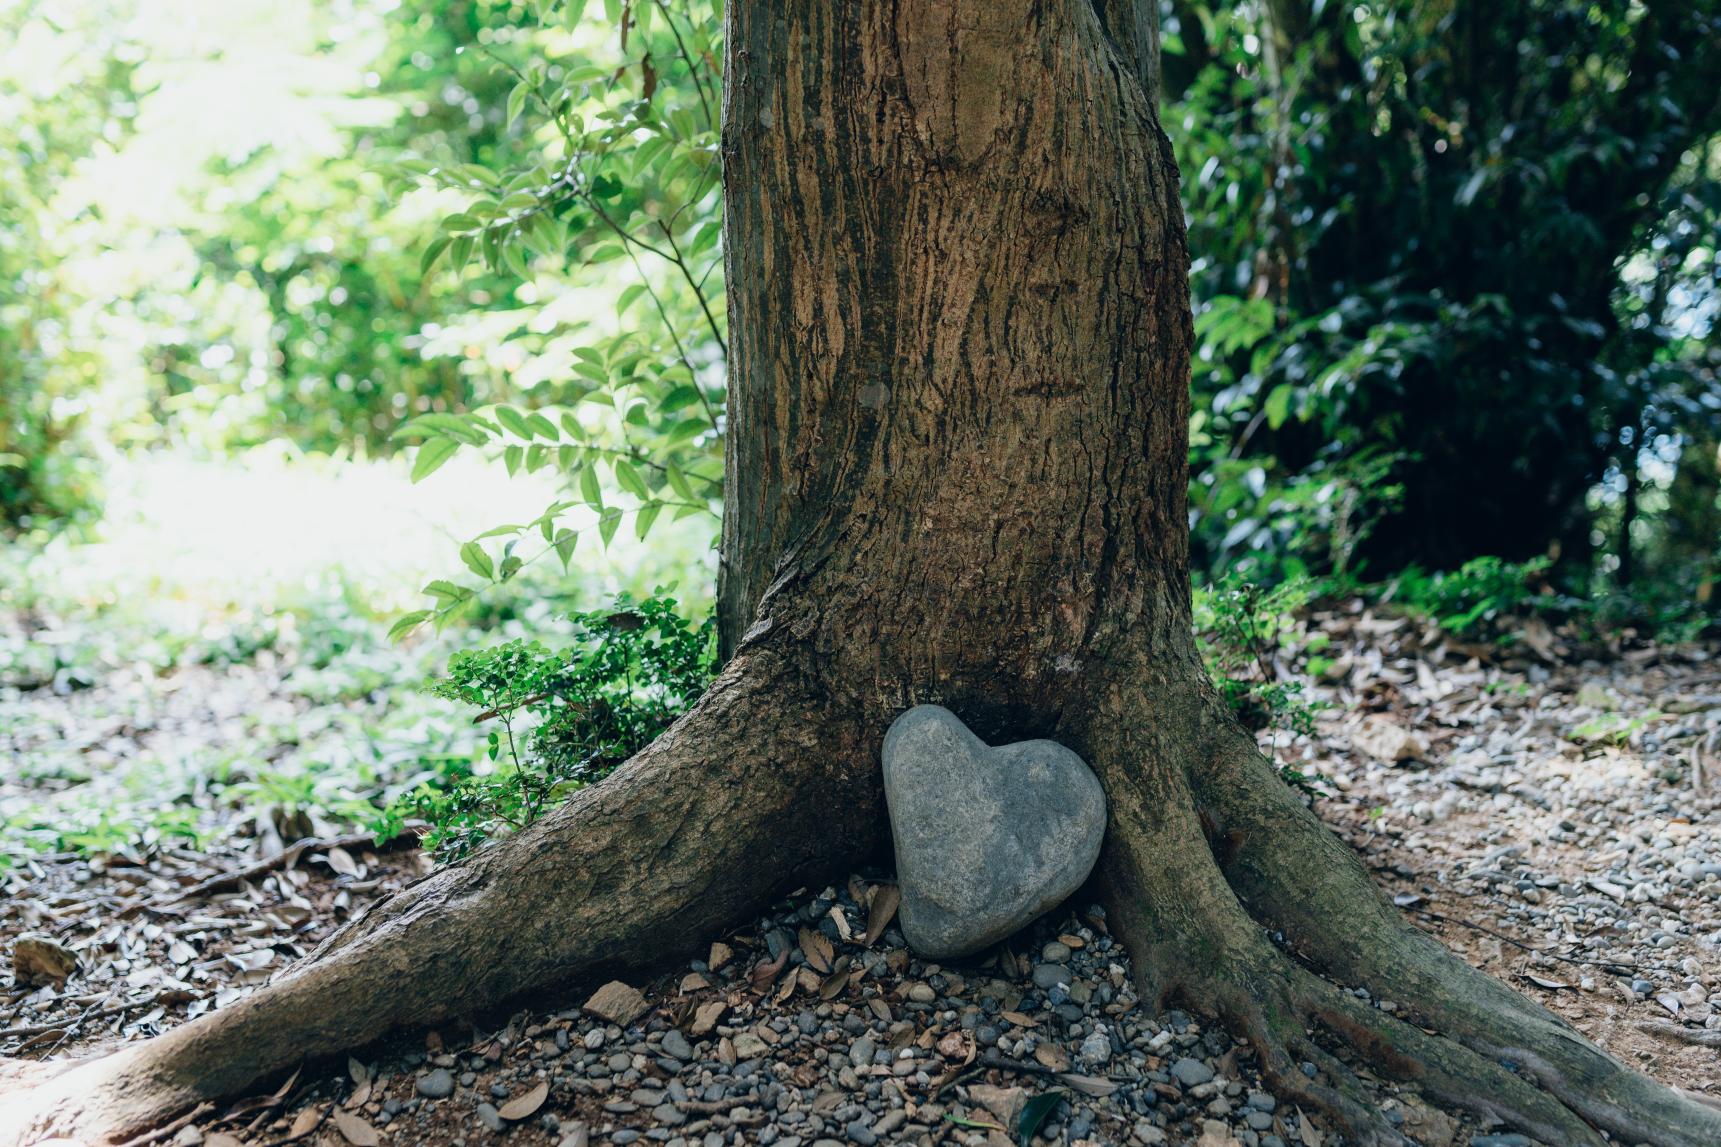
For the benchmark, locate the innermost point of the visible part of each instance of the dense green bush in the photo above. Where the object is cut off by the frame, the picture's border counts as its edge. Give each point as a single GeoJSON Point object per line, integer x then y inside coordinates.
{"type": "Point", "coordinates": [1455, 267]}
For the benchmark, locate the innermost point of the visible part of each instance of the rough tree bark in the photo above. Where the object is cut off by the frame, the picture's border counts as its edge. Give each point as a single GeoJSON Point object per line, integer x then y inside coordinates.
{"type": "Point", "coordinates": [956, 474]}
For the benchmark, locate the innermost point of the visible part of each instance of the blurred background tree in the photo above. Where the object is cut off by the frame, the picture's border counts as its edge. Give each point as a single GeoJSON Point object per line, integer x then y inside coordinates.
{"type": "Point", "coordinates": [1455, 268]}
{"type": "Point", "coordinates": [1456, 279]}
{"type": "Point", "coordinates": [66, 93]}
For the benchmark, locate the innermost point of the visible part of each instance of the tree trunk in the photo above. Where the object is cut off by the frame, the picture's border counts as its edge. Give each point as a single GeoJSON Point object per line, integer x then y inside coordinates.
{"type": "Point", "coordinates": [958, 414]}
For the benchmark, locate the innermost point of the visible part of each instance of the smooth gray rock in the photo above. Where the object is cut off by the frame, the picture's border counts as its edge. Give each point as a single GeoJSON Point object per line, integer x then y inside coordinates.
{"type": "Point", "coordinates": [1191, 1072]}
{"type": "Point", "coordinates": [438, 1084]}
{"type": "Point", "coordinates": [986, 838]}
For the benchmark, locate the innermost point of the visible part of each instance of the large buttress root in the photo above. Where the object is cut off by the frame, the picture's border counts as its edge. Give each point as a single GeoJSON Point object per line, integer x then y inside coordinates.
{"type": "Point", "coordinates": [1294, 875]}
{"type": "Point", "coordinates": [762, 782]}
{"type": "Point", "coordinates": [1193, 939]}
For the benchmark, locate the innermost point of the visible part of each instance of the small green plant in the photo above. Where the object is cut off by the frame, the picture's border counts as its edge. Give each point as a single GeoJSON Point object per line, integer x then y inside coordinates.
{"type": "Point", "coordinates": [1467, 601]}
{"type": "Point", "coordinates": [565, 717]}
{"type": "Point", "coordinates": [1242, 629]}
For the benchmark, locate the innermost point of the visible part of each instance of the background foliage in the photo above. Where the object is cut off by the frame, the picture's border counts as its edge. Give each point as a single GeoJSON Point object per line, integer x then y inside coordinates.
{"type": "Point", "coordinates": [1455, 280]}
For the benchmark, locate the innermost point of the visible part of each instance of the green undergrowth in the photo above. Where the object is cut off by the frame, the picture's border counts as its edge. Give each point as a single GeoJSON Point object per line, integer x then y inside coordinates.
{"type": "Point", "coordinates": [558, 718]}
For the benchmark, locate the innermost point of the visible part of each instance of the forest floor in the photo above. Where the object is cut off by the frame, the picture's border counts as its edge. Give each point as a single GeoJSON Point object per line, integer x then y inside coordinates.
{"type": "Point", "coordinates": [1547, 806]}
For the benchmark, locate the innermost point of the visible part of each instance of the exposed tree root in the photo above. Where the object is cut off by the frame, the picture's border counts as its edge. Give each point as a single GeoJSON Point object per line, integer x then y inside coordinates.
{"type": "Point", "coordinates": [1172, 898]}
{"type": "Point", "coordinates": [1295, 876]}
{"type": "Point", "coordinates": [763, 782]}
{"type": "Point", "coordinates": [759, 785]}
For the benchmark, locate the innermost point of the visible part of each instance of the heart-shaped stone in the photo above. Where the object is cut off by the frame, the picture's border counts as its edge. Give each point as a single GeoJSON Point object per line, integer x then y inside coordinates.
{"type": "Point", "coordinates": [986, 838]}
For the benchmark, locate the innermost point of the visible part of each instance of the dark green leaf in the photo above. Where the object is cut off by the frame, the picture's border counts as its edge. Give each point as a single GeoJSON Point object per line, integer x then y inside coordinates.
{"type": "Point", "coordinates": [1034, 1113]}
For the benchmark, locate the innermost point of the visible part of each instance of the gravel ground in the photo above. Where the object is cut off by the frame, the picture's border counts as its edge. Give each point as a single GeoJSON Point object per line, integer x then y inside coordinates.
{"type": "Point", "coordinates": [1544, 809]}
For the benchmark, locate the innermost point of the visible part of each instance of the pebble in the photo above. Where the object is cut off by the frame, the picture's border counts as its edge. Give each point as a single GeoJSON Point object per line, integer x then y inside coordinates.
{"type": "Point", "coordinates": [1191, 1072]}
{"type": "Point", "coordinates": [1046, 975]}
{"type": "Point", "coordinates": [675, 1044]}
{"type": "Point", "coordinates": [491, 1118]}
{"type": "Point", "coordinates": [1096, 1048]}
{"type": "Point", "coordinates": [437, 1084]}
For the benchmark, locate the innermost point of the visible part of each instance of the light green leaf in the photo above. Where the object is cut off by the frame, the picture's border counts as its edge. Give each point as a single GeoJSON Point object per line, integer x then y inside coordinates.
{"type": "Point", "coordinates": [565, 540]}
{"type": "Point", "coordinates": [647, 515]}
{"type": "Point", "coordinates": [431, 456]}
{"type": "Point", "coordinates": [628, 478]}
{"type": "Point", "coordinates": [511, 418]}
{"type": "Point", "coordinates": [607, 524]}
{"type": "Point", "coordinates": [477, 560]}
{"type": "Point", "coordinates": [431, 252]}
{"type": "Point", "coordinates": [589, 488]}
{"type": "Point", "coordinates": [406, 623]}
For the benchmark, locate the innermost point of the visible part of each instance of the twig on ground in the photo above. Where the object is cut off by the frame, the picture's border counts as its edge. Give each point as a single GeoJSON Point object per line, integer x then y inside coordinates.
{"type": "Point", "coordinates": [286, 858]}
{"type": "Point", "coordinates": [168, 1129]}
{"type": "Point", "coordinates": [1487, 931]}
{"type": "Point", "coordinates": [1698, 1036]}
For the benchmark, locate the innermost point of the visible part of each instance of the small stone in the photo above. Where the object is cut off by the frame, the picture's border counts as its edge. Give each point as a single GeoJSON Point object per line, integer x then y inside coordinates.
{"type": "Point", "coordinates": [437, 1084]}
{"type": "Point", "coordinates": [922, 994]}
{"type": "Point", "coordinates": [491, 1118]}
{"type": "Point", "coordinates": [675, 1044]}
{"type": "Point", "coordinates": [1057, 952]}
{"type": "Point", "coordinates": [1191, 1072]}
{"type": "Point", "coordinates": [38, 959]}
{"type": "Point", "coordinates": [749, 1046]}
{"type": "Point", "coordinates": [986, 838]}
{"type": "Point", "coordinates": [1046, 975]}
{"type": "Point", "coordinates": [669, 1115]}
{"type": "Point", "coordinates": [617, 1002]}
{"type": "Point", "coordinates": [1096, 1048]}
{"type": "Point", "coordinates": [1511, 1139]}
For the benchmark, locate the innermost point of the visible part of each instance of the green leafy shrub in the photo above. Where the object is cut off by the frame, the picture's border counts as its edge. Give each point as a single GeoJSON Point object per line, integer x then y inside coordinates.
{"type": "Point", "coordinates": [1468, 601]}
{"type": "Point", "coordinates": [566, 717]}
{"type": "Point", "coordinates": [1243, 631]}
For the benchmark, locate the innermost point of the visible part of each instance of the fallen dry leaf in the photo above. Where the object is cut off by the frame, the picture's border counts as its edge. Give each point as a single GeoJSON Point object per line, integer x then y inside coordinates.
{"type": "Point", "coordinates": [706, 1017]}
{"type": "Point", "coordinates": [355, 1130]}
{"type": "Point", "coordinates": [766, 970]}
{"type": "Point", "coordinates": [885, 899]}
{"type": "Point", "coordinates": [1092, 1085]}
{"type": "Point", "coordinates": [342, 861]}
{"type": "Point", "coordinates": [1052, 1056]}
{"type": "Point", "coordinates": [817, 949]}
{"type": "Point", "coordinates": [833, 987]}
{"type": "Point", "coordinates": [1306, 1128]}
{"type": "Point", "coordinates": [522, 1106]}
{"type": "Point", "coordinates": [307, 1118]}
{"type": "Point", "coordinates": [1020, 1019]}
